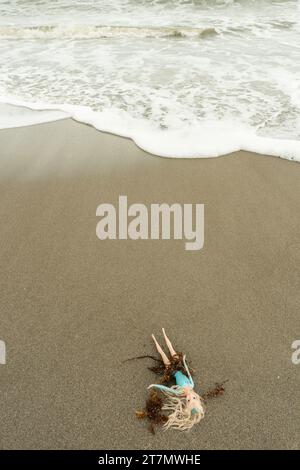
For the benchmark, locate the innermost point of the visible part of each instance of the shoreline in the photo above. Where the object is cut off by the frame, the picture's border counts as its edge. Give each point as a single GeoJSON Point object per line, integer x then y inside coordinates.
{"type": "Point", "coordinates": [74, 307]}
{"type": "Point", "coordinates": [233, 139]}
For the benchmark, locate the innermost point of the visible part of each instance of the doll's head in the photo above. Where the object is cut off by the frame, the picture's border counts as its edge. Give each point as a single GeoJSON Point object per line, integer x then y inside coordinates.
{"type": "Point", "coordinates": [185, 410]}
{"type": "Point", "coordinates": [194, 403]}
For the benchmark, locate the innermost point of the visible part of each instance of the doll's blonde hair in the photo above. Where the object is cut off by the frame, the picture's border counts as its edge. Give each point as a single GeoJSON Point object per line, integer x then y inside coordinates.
{"type": "Point", "coordinates": [180, 417]}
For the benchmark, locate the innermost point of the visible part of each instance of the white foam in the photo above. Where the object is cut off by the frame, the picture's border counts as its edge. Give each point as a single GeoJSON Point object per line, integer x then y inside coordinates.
{"type": "Point", "coordinates": [18, 116]}
{"type": "Point", "coordinates": [211, 139]}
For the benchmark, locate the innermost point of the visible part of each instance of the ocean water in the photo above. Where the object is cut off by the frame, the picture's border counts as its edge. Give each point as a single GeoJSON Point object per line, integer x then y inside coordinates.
{"type": "Point", "coordinates": [182, 78]}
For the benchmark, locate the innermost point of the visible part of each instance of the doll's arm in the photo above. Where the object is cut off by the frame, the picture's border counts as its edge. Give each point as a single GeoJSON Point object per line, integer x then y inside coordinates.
{"type": "Point", "coordinates": [165, 389]}
{"type": "Point", "coordinates": [188, 372]}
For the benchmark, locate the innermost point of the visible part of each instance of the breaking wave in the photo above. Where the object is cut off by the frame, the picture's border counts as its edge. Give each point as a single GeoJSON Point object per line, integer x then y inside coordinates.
{"type": "Point", "coordinates": [98, 32]}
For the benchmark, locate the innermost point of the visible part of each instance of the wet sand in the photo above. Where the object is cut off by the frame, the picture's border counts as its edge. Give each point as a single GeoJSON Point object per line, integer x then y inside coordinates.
{"type": "Point", "coordinates": [73, 308]}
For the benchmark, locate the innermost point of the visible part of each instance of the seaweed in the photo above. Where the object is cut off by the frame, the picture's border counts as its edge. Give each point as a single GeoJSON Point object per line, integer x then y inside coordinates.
{"type": "Point", "coordinates": [153, 411]}
{"type": "Point", "coordinates": [176, 364]}
{"type": "Point", "coordinates": [167, 373]}
{"type": "Point", "coordinates": [215, 392]}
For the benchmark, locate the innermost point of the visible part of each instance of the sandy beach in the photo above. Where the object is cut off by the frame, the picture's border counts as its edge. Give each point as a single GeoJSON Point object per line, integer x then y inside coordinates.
{"type": "Point", "coordinates": [73, 308]}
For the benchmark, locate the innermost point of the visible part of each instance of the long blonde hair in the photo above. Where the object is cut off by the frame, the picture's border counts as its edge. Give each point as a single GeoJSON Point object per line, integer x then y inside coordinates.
{"type": "Point", "coordinates": [180, 416]}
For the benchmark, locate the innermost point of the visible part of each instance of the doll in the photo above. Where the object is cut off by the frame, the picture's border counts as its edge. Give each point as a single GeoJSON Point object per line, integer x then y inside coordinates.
{"type": "Point", "coordinates": [177, 406]}
{"type": "Point", "coordinates": [183, 405]}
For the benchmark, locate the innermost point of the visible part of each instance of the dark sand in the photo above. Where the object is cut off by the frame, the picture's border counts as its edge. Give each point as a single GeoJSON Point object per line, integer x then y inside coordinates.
{"type": "Point", "coordinates": [73, 307]}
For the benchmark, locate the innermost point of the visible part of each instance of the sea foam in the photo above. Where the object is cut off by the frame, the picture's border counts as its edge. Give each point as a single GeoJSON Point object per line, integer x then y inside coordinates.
{"type": "Point", "coordinates": [211, 139]}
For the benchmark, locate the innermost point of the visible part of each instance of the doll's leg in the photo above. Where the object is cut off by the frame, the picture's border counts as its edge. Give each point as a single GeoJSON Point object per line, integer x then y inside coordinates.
{"type": "Point", "coordinates": [169, 344]}
{"type": "Point", "coordinates": [164, 357]}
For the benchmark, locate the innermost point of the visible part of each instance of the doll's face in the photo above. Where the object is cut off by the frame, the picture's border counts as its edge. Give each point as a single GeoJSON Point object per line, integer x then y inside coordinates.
{"type": "Point", "coordinates": [193, 402]}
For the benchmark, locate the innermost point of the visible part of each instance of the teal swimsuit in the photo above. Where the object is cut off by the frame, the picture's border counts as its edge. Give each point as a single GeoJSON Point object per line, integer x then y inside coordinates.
{"type": "Point", "coordinates": [182, 381]}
